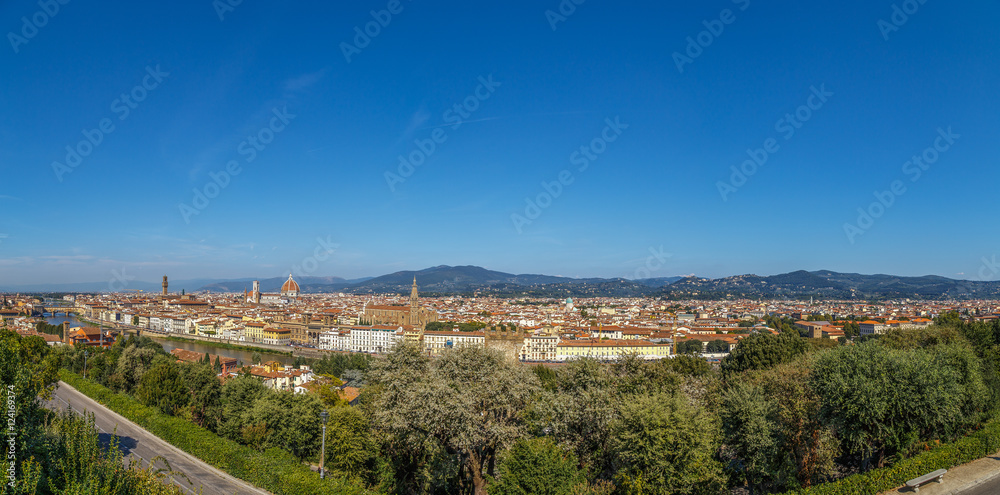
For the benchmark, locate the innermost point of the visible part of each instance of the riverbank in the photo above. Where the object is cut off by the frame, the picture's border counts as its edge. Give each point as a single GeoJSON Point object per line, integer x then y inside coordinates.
{"type": "Point", "coordinates": [243, 346]}
{"type": "Point", "coordinates": [95, 323]}
{"type": "Point", "coordinates": [305, 352]}
{"type": "Point", "coordinates": [210, 342]}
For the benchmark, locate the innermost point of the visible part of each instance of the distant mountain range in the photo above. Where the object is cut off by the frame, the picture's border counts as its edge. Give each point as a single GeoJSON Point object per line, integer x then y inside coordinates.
{"type": "Point", "coordinates": [832, 285]}
{"type": "Point", "coordinates": [445, 280]}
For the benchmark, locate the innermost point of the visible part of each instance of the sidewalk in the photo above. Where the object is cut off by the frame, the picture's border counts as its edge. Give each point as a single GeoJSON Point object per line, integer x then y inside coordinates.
{"type": "Point", "coordinates": [962, 478]}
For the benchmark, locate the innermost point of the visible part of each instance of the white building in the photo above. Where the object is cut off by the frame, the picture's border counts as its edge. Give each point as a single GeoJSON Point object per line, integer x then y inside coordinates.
{"type": "Point", "coordinates": [335, 340]}
{"type": "Point", "coordinates": [436, 342]}
{"type": "Point", "coordinates": [377, 339]}
{"type": "Point", "coordinates": [539, 348]}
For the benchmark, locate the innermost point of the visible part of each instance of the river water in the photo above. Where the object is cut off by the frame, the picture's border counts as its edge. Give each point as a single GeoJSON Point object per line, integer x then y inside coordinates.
{"type": "Point", "coordinates": [240, 355]}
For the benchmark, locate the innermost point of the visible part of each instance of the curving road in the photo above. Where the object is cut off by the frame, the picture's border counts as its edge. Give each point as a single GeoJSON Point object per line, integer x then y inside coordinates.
{"type": "Point", "coordinates": [134, 441]}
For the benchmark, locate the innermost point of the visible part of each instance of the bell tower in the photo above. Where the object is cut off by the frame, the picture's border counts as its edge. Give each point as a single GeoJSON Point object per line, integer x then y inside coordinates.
{"type": "Point", "coordinates": [164, 285]}
{"type": "Point", "coordinates": [414, 307]}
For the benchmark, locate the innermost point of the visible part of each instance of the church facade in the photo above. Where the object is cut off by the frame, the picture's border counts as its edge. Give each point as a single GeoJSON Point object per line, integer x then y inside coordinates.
{"type": "Point", "coordinates": [413, 315]}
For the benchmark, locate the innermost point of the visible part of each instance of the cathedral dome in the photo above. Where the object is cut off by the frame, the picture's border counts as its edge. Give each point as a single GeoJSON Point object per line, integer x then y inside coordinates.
{"type": "Point", "coordinates": [290, 286]}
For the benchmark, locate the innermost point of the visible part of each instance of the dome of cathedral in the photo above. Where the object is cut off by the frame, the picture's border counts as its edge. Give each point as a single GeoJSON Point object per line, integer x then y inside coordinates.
{"type": "Point", "coordinates": [289, 285]}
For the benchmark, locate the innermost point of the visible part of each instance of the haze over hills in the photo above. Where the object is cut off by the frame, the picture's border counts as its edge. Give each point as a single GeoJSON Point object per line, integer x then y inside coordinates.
{"type": "Point", "coordinates": [444, 279]}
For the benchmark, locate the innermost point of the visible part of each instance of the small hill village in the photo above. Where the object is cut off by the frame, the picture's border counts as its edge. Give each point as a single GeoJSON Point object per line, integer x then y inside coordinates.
{"type": "Point", "coordinates": [530, 330]}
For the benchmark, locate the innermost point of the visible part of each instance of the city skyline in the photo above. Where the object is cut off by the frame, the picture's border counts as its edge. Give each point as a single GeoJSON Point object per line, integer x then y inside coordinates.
{"type": "Point", "coordinates": [729, 138]}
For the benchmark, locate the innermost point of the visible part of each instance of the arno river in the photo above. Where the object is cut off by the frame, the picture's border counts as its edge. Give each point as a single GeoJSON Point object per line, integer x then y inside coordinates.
{"type": "Point", "coordinates": [244, 356]}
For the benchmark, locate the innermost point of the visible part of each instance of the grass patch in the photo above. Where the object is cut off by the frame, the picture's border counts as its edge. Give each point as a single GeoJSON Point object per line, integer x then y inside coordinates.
{"type": "Point", "coordinates": [274, 470]}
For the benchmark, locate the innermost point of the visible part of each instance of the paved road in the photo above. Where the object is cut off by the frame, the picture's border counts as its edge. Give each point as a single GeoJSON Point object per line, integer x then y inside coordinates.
{"type": "Point", "coordinates": [990, 487]}
{"type": "Point", "coordinates": [143, 445]}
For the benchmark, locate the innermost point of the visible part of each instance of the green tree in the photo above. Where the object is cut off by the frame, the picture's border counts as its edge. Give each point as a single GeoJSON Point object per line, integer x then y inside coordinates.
{"type": "Point", "coordinates": [546, 376]}
{"type": "Point", "coordinates": [773, 435]}
{"type": "Point", "coordinates": [662, 444]}
{"type": "Point", "coordinates": [882, 400]}
{"type": "Point", "coordinates": [690, 346]}
{"type": "Point", "coordinates": [536, 466]}
{"type": "Point", "coordinates": [763, 350]}
{"type": "Point", "coordinates": [30, 370]}
{"type": "Point", "coordinates": [852, 329]}
{"type": "Point", "coordinates": [255, 357]}
{"type": "Point", "coordinates": [293, 420]}
{"type": "Point", "coordinates": [750, 434]}
{"type": "Point", "coordinates": [76, 463]}
{"type": "Point", "coordinates": [205, 393]}
{"type": "Point", "coordinates": [632, 375]}
{"type": "Point", "coordinates": [577, 414]}
{"type": "Point", "coordinates": [717, 347]}
{"type": "Point", "coordinates": [237, 395]}
{"type": "Point", "coordinates": [951, 318]}
{"type": "Point", "coordinates": [328, 391]}
{"type": "Point", "coordinates": [163, 388]}
{"type": "Point", "coordinates": [351, 447]}
{"type": "Point", "coordinates": [686, 365]}
{"type": "Point", "coordinates": [468, 403]}
{"type": "Point", "coordinates": [130, 367]}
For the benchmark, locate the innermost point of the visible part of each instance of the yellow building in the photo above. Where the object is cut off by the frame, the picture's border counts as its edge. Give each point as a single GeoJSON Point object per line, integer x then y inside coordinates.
{"type": "Point", "coordinates": [277, 336]}
{"type": "Point", "coordinates": [206, 328]}
{"type": "Point", "coordinates": [609, 350]}
{"type": "Point", "coordinates": [254, 331]}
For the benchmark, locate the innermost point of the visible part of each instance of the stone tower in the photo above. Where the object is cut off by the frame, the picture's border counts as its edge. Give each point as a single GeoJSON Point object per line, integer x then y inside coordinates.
{"type": "Point", "coordinates": [414, 307]}
{"type": "Point", "coordinates": [164, 285]}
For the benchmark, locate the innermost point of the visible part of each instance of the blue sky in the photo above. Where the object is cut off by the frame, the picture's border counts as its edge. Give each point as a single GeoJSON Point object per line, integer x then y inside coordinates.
{"type": "Point", "coordinates": [654, 187]}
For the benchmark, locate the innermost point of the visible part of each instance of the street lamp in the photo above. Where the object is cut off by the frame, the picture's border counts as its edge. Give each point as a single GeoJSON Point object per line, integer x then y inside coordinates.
{"type": "Point", "coordinates": [84, 364]}
{"type": "Point", "coordinates": [322, 452]}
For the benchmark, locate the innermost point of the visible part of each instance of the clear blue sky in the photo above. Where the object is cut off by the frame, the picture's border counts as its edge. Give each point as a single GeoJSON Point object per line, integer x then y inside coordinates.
{"type": "Point", "coordinates": [656, 185]}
